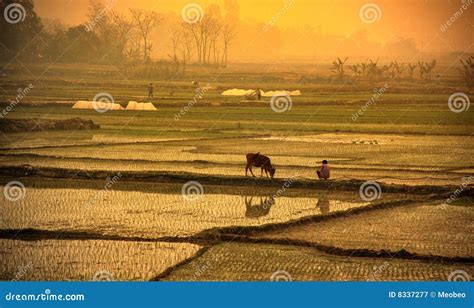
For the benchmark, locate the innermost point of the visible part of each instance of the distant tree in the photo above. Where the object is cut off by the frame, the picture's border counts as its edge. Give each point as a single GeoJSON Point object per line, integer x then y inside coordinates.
{"type": "Point", "coordinates": [145, 21]}
{"type": "Point", "coordinates": [228, 34]}
{"type": "Point", "coordinates": [338, 68]}
{"type": "Point", "coordinates": [397, 69]}
{"type": "Point", "coordinates": [185, 44]}
{"type": "Point", "coordinates": [467, 71]}
{"type": "Point", "coordinates": [357, 69]}
{"type": "Point", "coordinates": [372, 69]}
{"type": "Point", "coordinates": [426, 68]}
{"type": "Point", "coordinates": [122, 29]}
{"type": "Point", "coordinates": [411, 69]}
{"type": "Point", "coordinates": [421, 69]}
{"type": "Point", "coordinates": [20, 31]}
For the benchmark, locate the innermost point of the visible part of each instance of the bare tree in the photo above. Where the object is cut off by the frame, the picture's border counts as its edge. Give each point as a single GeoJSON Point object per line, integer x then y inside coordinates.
{"type": "Point", "coordinates": [122, 29]}
{"type": "Point", "coordinates": [228, 34]}
{"type": "Point", "coordinates": [203, 33]}
{"type": "Point", "coordinates": [411, 69]}
{"type": "Point", "coordinates": [467, 71]}
{"type": "Point", "coordinates": [175, 36]}
{"type": "Point", "coordinates": [216, 28]}
{"type": "Point", "coordinates": [145, 21]}
{"type": "Point", "coordinates": [185, 44]}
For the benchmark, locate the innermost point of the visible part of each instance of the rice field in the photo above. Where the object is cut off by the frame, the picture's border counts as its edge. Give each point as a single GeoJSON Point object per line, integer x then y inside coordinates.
{"type": "Point", "coordinates": [81, 227]}
{"type": "Point", "coordinates": [150, 214]}
{"type": "Point", "coordinates": [413, 160]}
{"type": "Point", "coordinates": [90, 260]}
{"type": "Point", "coordinates": [264, 262]}
{"type": "Point", "coordinates": [421, 229]}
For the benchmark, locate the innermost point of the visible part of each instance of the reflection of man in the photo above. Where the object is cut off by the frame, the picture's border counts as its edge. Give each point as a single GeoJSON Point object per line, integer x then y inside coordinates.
{"type": "Point", "coordinates": [150, 90]}
{"type": "Point", "coordinates": [323, 204]}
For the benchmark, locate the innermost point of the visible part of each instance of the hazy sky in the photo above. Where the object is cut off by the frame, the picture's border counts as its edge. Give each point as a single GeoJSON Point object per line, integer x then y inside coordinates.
{"type": "Point", "coordinates": [417, 19]}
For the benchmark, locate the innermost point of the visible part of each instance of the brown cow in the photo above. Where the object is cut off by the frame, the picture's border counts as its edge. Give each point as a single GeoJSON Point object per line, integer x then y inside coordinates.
{"type": "Point", "coordinates": [261, 161]}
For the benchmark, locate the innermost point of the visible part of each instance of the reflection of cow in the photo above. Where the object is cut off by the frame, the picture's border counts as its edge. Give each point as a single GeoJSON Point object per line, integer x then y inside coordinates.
{"type": "Point", "coordinates": [258, 210]}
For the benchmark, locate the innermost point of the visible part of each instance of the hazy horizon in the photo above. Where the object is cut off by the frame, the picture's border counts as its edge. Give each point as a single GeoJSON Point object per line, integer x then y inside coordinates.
{"type": "Point", "coordinates": [302, 30]}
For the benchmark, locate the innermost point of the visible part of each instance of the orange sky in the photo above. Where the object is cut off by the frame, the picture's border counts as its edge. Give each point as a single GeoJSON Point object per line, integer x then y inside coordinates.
{"type": "Point", "coordinates": [417, 19]}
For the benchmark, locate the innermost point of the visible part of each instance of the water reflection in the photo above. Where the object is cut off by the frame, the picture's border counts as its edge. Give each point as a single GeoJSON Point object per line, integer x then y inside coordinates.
{"type": "Point", "coordinates": [258, 209]}
{"type": "Point", "coordinates": [323, 204]}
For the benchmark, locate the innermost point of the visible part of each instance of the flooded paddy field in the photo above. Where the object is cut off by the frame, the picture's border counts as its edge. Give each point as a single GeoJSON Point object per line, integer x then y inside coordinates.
{"type": "Point", "coordinates": [89, 260]}
{"type": "Point", "coordinates": [263, 262]}
{"type": "Point", "coordinates": [140, 230]}
{"type": "Point", "coordinates": [411, 160]}
{"type": "Point", "coordinates": [146, 197]}
{"type": "Point", "coordinates": [422, 228]}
